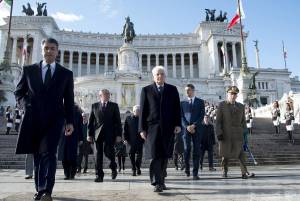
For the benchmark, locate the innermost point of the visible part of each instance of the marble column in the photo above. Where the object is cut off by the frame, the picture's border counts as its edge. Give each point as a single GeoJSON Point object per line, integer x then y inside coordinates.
{"type": "Point", "coordinates": [62, 52]}
{"type": "Point", "coordinates": [174, 65]}
{"type": "Point", "coordinates": [166, 63]}
{"type": "Point", "coordinates": [182, 66]}
{"type": "Point", "coordinates": [226, 66]}
{"type": "Point", "coordinates": [71, 60]}
{"type": "Point", "coordinates": [191, 66]}
{"type": "Point", "coordinates": [140, 62]}
{"type": "Point", "coordinates": [88, 63]}
{"type": "Point", "coordinates": [105, 62]}
{"type": "Point", "coordinates": [115, 61]}
{"type": "Point", "coordinates": [148, 62]}
{"type": "Point", "coordinates": [234, 55]}
{"type": "Point", "coordinates": [199, 64]}
{"type": "Point", "coordinates": [24, 57]}
{"type": "Point", "coordinates": [216, 58]}
{"type": "Point", "coordinates": [79, 63]}
{"type": "Point", "coordinates": [97, 63]}
{"type": "Point", "coordinates": [35, 49]}
{"type": "Point", "coordinates": [156, 59]}
{"type": "Point", "coordinates": [14, 50]}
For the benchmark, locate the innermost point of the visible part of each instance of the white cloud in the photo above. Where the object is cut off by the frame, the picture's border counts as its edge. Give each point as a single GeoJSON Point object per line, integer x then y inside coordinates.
{"type": "Point", "coordinates": [67, 17]}
{"type": "Point", "coordinates": [106, 8]}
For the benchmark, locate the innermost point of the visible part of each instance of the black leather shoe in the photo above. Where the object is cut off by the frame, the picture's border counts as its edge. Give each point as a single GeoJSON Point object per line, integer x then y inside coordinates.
{"type": "Point", "coordinates": [98, 180]}
{"type": "Point", "coordinates": [66, 178]}
{"type": "Point", "coordinates": [212, 169]}
{"type": "Point", "coordinates": [158, 189]}
{"type": "Point", "coordinates": [196, 177]}
{"type": "Point", "coordinates": [244, 176]}
{"type": "Point", "coordinates": [187, 174]}
{"type": "Point", "coordinates": [114, 174]}
{"type": "Point", "coordinates": [46, 197]}
{"type": "Point", "coordinates": [224, 175]}
{"type": "Point", "coordinates": [37, 196]}
{"type": "Point", "coordinates": [139, 172]}
{"type": "Point", "coordinates": [133, 173]}
{"type": "Point", "coordinates": [28, 177]}
{"type": "Point", "coordinates": [164, 187]}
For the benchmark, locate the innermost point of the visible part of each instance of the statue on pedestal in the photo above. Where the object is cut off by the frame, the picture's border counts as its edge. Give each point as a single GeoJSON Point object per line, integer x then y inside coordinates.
{"type": "Point", "coordinates": [128, 31]}
{"type": "Point", "coordinates": [252, 84]}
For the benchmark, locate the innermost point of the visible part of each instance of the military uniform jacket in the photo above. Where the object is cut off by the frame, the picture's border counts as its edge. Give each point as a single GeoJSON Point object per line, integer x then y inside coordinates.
{"type": "Point", "coordinates": [230, 123]}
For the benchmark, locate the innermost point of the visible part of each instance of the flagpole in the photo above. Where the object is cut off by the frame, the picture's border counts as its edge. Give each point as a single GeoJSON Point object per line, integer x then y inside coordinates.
{"type": "Point", "coordinates": [244, 68]}
{"type": "Point", "coordinates": [6, 60]}
{"type": "Point", "coordinates": [284, 54]}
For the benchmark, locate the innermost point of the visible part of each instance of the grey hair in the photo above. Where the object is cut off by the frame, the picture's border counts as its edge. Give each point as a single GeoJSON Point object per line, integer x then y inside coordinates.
{"type": "Point", "coordinates": [102, 91]}
{"type": "Point", "coordinates": [136, 107]}
{"type": "Point", "coordinates": [157, 68]}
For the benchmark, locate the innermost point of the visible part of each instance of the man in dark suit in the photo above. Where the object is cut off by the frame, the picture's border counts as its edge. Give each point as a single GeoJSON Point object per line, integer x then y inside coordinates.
{"type": "Point", "coordinates": [159, 121]}
{"type": "Point", "coordinates": [46, 93]}
{"type": "Point", "coordinates": [133, 138]}
{"type": "Point", "coordinates": [105, 130]}
{"type": "Point", "coordinates": [192, 113]}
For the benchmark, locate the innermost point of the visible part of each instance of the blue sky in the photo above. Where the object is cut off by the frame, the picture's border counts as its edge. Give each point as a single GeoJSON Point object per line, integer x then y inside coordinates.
{"type": "Point", "coordinates": [268, 21]}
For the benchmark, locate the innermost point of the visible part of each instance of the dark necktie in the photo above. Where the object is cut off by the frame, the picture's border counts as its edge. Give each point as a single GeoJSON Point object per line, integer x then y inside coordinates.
{"type": "Point", "coordinates": [160, 89]}
{"type": "Point", "coordinates": [47, 76]}
{"type": "Point", "coordinates": [103, 106]}
{"type": "Point", "coordinates": [191, 105]}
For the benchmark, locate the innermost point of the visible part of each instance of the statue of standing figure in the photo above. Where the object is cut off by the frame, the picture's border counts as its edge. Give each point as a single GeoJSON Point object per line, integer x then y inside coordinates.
{"type": "Point", "coordinates": [128, 31]}
{"type": "Point", "coordinates": [252, 84]}
{"type": "Point", "coordinates": [39, 8]}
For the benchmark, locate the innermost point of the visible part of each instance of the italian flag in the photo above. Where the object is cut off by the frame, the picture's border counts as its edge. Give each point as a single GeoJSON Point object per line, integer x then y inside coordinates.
{"type": "Point", "coordinates": [237, 16]}
{"type": "Point", "coordinates": [4, 10]}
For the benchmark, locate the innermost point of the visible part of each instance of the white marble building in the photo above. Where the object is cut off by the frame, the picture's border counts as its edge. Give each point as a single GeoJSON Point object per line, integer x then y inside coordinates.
{"type": "Point", "coordinates": [195, 57]}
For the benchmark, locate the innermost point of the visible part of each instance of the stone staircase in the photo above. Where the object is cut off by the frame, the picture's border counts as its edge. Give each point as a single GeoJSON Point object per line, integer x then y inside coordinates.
{"type": "Point", "coordinates": [268, 148]}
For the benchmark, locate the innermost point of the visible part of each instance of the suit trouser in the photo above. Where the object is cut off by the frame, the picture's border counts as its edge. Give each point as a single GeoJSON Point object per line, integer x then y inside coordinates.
{"type": "Point", "coordinates": [109, 152]}
{"type": "Point", "coordinates": [44, 171]}
{"type": "Point", "coordinates": [241, 158]}
{"type": "Point", "coordinates": [69, 168]}
{"type": "Point", "coordinates": [136, 159]}
{"type": "Point", "coordinates": [81, 155]}
{"type": "Point", "coordinates": [29, 164]}
{"type": "Point", "coordinates": [187, 140]}
{"type": "Point", "coordinates": [210, 155]}
{"type": "Point", "coordinates": [178, 158]}
{"type": "Point", "coordinates": [158, 171]}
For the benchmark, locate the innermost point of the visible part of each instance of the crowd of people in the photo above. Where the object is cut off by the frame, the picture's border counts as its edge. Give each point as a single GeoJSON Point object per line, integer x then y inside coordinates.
{"type": "Point", "coordinates": [160, 128]}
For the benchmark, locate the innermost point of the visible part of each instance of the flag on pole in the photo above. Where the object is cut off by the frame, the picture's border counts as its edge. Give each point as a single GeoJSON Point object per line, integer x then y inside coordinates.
{"type": "Point", "coordinates": [4, 10]}
{"type": "Point", "coordinates": [239, 14]}
{"type": "Point", "coordinates": [284, 52]}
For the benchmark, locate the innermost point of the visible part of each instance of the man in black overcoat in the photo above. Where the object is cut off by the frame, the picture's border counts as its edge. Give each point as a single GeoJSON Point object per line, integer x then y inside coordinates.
{"type": "Point", "coordinates": [105, 129]}
{"type": "Point", "coordinates": [133, 138]}
{"type": "Point", "coordinates": [159, 121]}
{"type": "Point", "coordinates": [46, 93]}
